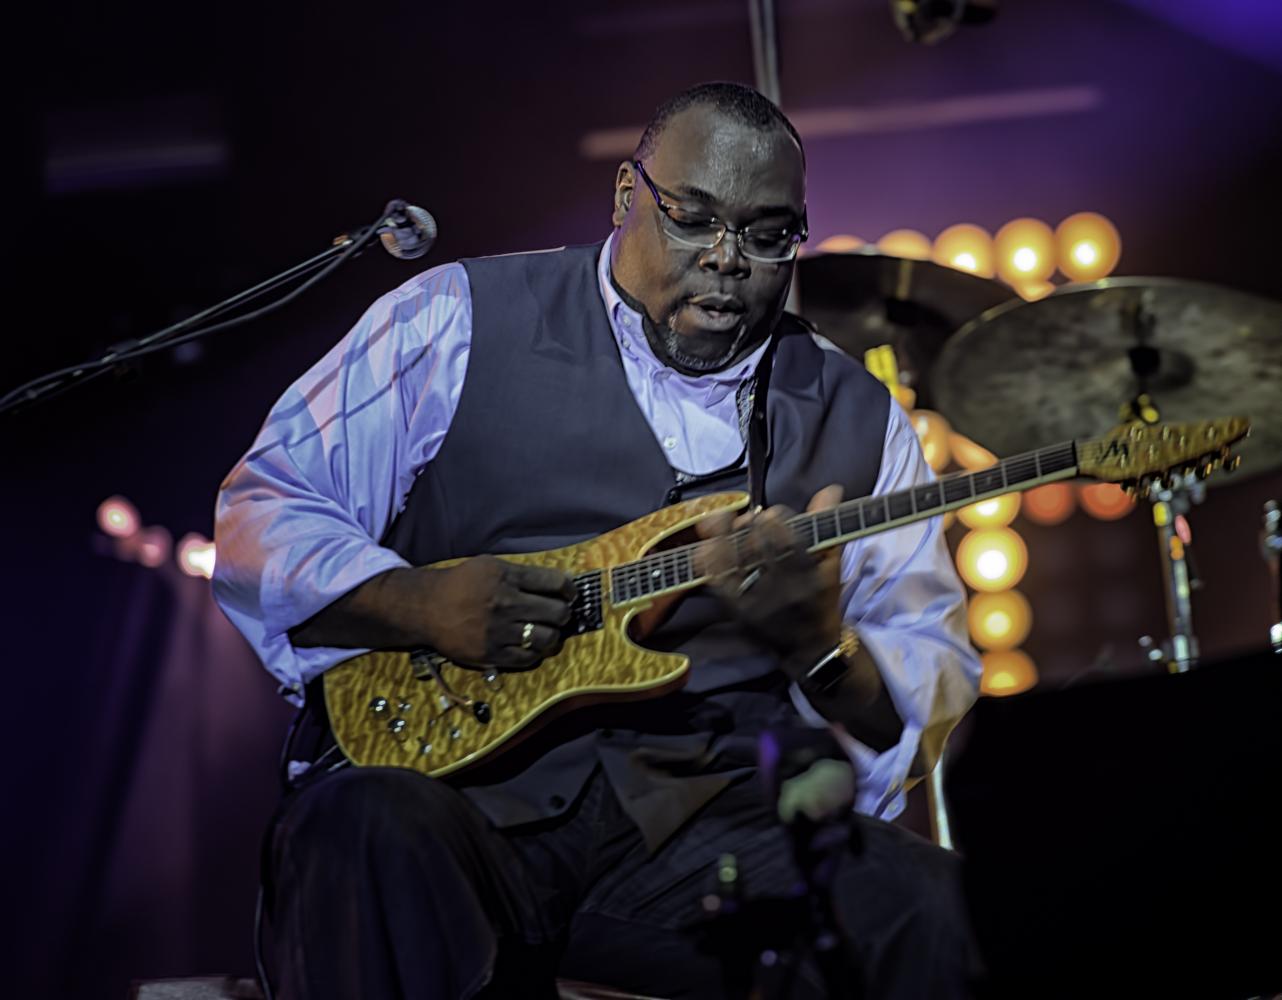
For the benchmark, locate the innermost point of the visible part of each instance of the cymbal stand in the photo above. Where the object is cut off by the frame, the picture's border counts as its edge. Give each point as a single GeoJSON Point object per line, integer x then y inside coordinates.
{"type": "Point", "coordinates": [1172, 499]}
{"type": "Point", "coordinates": [1271, 548]}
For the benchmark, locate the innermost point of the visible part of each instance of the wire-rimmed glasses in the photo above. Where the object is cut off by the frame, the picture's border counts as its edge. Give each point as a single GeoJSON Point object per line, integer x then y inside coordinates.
{"type": "Point", "coordinates": [767, 245]}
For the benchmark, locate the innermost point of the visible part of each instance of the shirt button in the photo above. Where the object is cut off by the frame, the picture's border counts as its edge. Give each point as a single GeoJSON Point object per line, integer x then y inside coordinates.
{"type": "Point", "coordinates": [669, 442]}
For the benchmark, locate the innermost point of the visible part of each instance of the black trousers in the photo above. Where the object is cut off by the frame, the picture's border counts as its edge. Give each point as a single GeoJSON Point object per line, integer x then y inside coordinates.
{"type": "Point", "coordinates": [384, 884]}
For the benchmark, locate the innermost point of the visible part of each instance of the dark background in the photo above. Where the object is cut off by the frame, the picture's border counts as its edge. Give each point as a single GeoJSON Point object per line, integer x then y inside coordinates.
{"type": "Point", "coordinates": [162, 157]}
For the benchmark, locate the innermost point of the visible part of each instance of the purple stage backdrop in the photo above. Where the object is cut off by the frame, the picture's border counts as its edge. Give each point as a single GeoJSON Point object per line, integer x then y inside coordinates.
{"type": "Point", "coordinates": [158, 164]}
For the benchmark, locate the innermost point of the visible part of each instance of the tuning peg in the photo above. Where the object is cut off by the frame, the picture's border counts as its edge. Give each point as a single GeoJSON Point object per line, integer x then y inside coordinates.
{"type": "Point", "coordinates": [1231, 465]}
{"type": "Point", "coordinates": [1204, 471]}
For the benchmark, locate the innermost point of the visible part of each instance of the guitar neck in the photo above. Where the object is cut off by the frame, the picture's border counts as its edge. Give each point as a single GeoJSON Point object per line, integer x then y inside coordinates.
{"type": "Point", "coordinates": [680, 568]}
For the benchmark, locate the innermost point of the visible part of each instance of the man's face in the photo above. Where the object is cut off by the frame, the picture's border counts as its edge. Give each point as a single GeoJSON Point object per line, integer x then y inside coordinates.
{"type": "Point", "coordinates": [708, 307]}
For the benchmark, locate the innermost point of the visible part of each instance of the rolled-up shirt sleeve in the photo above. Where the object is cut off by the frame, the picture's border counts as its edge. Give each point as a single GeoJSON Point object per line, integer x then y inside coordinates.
{"type": "Point", "coordinates": [901, 593]}
{"type": "Point", "coordinates": [298, 518]}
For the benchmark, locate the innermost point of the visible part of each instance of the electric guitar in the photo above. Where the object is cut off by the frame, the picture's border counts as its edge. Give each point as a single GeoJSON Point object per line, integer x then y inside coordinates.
{"type": "Point", "coordinates": [421, 711]}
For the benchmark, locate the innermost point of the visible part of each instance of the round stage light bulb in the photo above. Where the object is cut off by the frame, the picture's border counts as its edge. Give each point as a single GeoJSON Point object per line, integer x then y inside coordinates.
{"type": "Point", "coordinates": [996, 512]}
{"type": "Point", "coordinates": [905, 243]}
{"type": "Point", "coordinates": [1088, 246]}
{"type": "Point", "coordinates": [999, 621]}
{"type": "Point", "coordinates": [153, 546]}
{"type": "Point", "coordinates": [965, 247]}
{"type": "Point", "coordinates": [117, 517]}
{"type": "Point", "coordinates": [932, 432]}
{"type": "Point", "coordinates": [992, 559]}
{"type": "Point", "coordinates": [843, 243]}
{"type": "Point", "coordinates": [1105, 501]}
{"type": "Point", "coordinates": [968, 454]}
{"type": "Point", "coordinates": [1034, 290]}
{"type": "Point", "coordinates": [196, 555]}
{"type": "Point", "coordinates": [905, 396]}
{"type": "Point", "coordinates": [1049, 504]}
{"type": "Point", "coordinates": [1007, 671]}
{"type": "Point", "coordinates": [1025, 252]}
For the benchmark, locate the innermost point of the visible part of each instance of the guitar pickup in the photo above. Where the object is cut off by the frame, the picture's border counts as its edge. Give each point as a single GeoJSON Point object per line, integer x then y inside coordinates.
{"type": "Point", "coordinates": [585, 609]}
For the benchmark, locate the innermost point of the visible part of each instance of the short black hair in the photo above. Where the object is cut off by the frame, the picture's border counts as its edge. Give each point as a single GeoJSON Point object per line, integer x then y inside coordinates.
{"type": "Point", "coordinates": [734, 100]}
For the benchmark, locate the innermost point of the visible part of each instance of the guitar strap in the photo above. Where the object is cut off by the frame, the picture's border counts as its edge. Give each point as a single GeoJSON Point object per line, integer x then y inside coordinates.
{"type": "Point", "coordinates": [750, 399]}
{"type": "Point", "coordinates": [758, 433]}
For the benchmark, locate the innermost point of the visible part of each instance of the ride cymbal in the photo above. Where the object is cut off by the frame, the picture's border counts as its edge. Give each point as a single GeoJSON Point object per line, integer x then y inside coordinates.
{"type": "Point", "coordinates": [1067, 366]}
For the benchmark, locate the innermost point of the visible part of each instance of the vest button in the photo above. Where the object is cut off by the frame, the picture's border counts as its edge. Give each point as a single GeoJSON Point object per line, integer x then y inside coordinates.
{"type": "Point", "coordinates": [556, 802]}
{"type": "Point", "coordinates": [672, 496]}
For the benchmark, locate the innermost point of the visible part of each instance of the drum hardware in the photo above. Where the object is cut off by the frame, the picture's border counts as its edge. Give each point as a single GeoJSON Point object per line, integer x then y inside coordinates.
{"type": "Point", "coordinates": [1171, 350]}
{"type": "Point", "coordinates": [863, 300]}
{"type": "Point", "coordinates": [1271, 548]}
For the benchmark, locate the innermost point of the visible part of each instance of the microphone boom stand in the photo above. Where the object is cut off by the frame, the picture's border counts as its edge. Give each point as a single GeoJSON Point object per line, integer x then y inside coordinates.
{"type": "Point", "coordinates": [344, 247]}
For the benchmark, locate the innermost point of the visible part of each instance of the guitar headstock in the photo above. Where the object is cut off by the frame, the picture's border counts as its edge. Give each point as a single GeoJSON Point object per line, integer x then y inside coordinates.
{"type": "Point", "coordinates": [1136, 453]}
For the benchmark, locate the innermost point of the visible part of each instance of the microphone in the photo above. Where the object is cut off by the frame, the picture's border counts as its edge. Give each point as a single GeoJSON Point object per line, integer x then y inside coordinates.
{"type": "Point", "coordinates": [407, 232]}
{"type": "Point", "coordinates": [926, 22]}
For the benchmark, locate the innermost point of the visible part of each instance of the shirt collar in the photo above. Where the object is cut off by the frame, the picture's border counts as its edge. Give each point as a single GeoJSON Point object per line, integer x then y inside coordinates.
{"type": "Point", "coordinates": [625, 323]}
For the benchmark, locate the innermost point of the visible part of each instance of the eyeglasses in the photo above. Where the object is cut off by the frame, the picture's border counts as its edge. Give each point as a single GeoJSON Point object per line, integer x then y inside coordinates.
{"type": "Point", "coordinates": [766, 245]}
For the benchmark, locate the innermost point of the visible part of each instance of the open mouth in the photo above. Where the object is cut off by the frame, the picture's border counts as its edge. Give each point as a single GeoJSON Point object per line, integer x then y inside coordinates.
{"type": "Point", "coordinates": [715, 313]}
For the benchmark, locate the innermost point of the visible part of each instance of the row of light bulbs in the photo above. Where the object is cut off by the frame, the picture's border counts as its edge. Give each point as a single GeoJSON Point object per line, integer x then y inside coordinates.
{"type": "Point", "coordinates": [1025, 252]}
{"type": "Point", "coordinates": [992, 557]}
{"type": "Point", "coordinates": [151, 546]}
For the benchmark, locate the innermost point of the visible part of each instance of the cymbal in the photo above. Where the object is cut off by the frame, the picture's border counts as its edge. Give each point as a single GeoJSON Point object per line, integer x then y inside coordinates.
{"type": "Point", "coordinates": [1028, 373]}
{"type": "Point", "coordinates": [864, 299]}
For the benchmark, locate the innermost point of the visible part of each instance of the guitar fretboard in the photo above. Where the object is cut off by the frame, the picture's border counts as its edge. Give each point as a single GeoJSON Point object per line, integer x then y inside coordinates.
{"type": "Point", "coordinates": [678, 568]}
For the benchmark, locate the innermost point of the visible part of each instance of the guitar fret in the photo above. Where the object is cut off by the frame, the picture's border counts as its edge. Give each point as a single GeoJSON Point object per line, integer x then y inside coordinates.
{"type": "Point", "coordinates": [900, 505]}
{"type": "Point", "coordinates": [929, 497]}
{"type": "Point", "coordinates": [675, 568]}
{"type": "Point", "coordinates": [873, 512]}
{"type": "Point", "coordinates": [958, 488]}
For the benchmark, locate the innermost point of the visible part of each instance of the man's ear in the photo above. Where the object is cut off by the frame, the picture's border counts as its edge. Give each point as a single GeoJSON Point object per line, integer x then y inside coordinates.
{"type": "Point", "coordinates": [624, 187]}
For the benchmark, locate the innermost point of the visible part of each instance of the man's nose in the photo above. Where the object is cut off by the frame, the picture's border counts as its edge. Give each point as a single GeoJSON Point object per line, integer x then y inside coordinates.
{"type": "Point", "coordinates": [725, 257]}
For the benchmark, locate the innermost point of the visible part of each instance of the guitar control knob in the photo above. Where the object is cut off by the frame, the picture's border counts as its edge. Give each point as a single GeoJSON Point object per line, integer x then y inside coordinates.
{"type": "Point", "coordinates": [481, 710]}
{"type": "Point", "coordinates": [424, 748]}
{"type": "Point", "coordinates": [455, 733]}
{"type": "Point", "coordinates": [378, 705]}
{"type": "Point", "coordinates": [396, 726]}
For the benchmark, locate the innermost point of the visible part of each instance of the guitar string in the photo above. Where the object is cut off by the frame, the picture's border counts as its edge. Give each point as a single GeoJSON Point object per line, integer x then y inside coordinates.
{"type": "Point", "coordinates": [634, 580]}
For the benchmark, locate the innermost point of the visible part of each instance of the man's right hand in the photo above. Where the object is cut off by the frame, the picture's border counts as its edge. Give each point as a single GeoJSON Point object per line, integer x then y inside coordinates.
{"type": "Point", "coordinates": [481, 609]}
{"type": "Point", "coordinates": [474, 612]}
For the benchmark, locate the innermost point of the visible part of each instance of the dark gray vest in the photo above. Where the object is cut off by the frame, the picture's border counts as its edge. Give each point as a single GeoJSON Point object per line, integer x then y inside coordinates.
{"type": "Point", "coordinates": [548, 448]}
